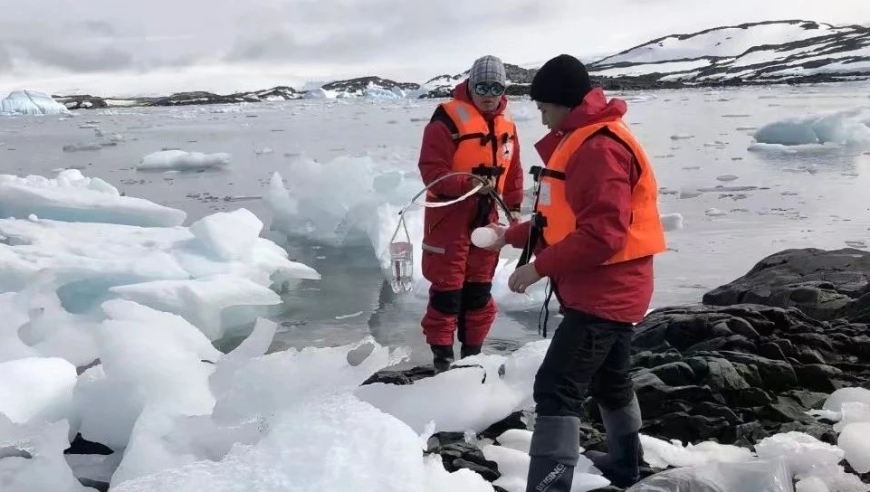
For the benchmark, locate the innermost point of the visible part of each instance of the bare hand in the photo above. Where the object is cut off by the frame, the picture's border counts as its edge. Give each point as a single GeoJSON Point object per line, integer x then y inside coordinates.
{"type": "Point", "coordinates": [515, 216]}
{"type": "Point", "coordinates": [523, 277]}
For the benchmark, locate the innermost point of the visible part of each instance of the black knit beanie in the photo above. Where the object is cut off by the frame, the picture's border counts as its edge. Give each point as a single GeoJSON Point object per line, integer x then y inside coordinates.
{"type": "Point", "coordinates": [562, 80]}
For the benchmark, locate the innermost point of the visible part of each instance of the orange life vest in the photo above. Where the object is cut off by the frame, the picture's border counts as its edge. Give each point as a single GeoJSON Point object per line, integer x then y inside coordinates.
{"type": "Point", "coordinates": [645, 233]}
{"type": "Point", "coordinates": [482, 147]}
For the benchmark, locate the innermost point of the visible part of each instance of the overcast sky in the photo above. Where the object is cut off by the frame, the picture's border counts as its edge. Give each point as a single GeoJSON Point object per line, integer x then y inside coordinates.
{"type": "Point", "coordinates": [125, 46]}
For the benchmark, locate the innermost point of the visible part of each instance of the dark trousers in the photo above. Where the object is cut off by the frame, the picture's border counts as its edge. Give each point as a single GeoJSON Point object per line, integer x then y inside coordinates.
{"type": "Point", "coordinates": [586, 355]}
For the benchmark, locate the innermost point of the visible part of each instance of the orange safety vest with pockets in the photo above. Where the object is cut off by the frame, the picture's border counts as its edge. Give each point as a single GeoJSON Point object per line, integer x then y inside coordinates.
{"type": "Point", "coordinates": [645, 233]}
{"type": "Point", "coordinates": [483, 147]}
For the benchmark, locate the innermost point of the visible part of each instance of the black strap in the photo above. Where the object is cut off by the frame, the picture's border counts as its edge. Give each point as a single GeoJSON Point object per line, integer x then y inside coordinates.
{"type": "Point", "coordinates": [539, 172]}
{"type": "Point", "coordinates": [483, 137]}
{"type": "Point", "coordinates": [488, 171]}
{"type": "Point", "coordinates": [536, 232]}
{"type": "Point", "coordinates": [545, 309]}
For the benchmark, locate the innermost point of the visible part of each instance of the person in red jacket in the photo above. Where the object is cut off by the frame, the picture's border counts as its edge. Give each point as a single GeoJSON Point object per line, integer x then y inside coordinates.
{"type": "Point", "coordinates": [594, 234]}
{"type": "Point", "coordinates": [471, 133]}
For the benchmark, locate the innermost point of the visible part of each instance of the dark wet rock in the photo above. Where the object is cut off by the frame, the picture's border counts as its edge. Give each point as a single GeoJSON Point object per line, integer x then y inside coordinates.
{"type": "Point", "coordinates": [457, 453]}
{"type": "Point", "coordinates": [823, 284]}
{"type": "Point", "coordinates": [516, 420]}
{"type": "Point", "coordinates": [80, 445]}
{"type": "Point", "coordinates": [95, 484]}
{"type": "Point", "coordinates": [401, 377]}
{"type": "Point", "coordinates": [819, 377]}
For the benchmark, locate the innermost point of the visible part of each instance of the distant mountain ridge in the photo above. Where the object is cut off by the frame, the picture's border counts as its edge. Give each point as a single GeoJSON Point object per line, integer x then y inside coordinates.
{"type": "Point", "coordinates": [789, 51]}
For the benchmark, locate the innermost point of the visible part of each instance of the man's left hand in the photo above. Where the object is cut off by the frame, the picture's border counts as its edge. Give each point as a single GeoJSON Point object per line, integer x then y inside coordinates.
{"type": "Point", "coordinates": [523, 277]}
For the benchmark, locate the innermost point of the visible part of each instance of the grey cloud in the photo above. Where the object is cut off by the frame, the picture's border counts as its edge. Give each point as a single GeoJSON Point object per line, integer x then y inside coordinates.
{"type": "Point", "coordinates": [98, 27]}
{"type": "Point", "coordinates": [376, 29]}
{"type": "Point", "coordinates": [53, 55]}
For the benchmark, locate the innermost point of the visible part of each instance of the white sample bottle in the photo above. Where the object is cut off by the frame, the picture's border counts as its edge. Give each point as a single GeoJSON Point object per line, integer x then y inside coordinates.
{"type": "Point", "coordinates": [483, 237]}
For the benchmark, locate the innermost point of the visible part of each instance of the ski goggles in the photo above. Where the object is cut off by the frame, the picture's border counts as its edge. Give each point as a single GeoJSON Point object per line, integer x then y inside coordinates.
{"type": "Point", "coordinates": [484, 89]}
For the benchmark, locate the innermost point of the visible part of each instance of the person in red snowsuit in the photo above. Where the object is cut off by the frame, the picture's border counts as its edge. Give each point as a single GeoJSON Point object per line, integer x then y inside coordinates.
{"type": "Point", "coordinates": [471, 133]}
{"type": "Point", "coordinates": [595, 232]}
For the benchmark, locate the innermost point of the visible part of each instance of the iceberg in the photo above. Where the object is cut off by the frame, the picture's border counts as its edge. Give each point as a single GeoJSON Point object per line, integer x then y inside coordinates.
{"type": "Point", "coordinates": [26, 102]}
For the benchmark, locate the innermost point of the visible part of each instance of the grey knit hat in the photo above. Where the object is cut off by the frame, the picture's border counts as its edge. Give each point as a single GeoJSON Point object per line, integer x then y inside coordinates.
{"type": "Point", "coordinates": [487, 69]}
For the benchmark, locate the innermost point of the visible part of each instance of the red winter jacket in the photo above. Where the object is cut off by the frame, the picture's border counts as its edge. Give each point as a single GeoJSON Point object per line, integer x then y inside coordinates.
{"type": "Point", "coordinates": [599, 179]}
{"type": "Point", "coordinates": [436, 157]}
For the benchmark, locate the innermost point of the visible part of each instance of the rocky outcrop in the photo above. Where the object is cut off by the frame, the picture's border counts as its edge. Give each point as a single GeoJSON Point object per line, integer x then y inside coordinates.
{"type": "Point", "coordinates": [82, 102]}
{"type": "Point", "coordinates": [823, 284]}
{"type": "Point", "coordinates": [747, 364]}
{"type": "Point", "coordinates": [358, 86]}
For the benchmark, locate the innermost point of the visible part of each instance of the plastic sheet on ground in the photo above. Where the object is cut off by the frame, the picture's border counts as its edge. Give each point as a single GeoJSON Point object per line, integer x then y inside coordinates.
{"type": "Point", "coordinates": [755, 476]}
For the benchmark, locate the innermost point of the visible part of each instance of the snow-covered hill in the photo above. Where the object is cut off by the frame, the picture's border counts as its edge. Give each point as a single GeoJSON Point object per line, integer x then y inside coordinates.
{"type": "Point", "coordinates": [791, 51]}
{"type": "Point", "coordinates": [764, 52]}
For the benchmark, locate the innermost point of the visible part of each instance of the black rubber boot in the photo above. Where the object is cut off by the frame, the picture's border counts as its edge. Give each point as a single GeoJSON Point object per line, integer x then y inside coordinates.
{"type": "Point", "coordinates": [621, 463]}
{"type": "Point", "coordinates": [469, 350]}
{"type": "Point", "coordinates": [546, 475]}
{"type": "Point", "coordinates": [554, 452]}
{"type": "Point", "coordinates": [442, 357]}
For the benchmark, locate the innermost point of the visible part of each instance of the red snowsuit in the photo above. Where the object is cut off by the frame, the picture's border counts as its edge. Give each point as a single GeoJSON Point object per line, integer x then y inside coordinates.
{"type": "Point", "coordinates": [601, 176]}
{"type": "Point", "coordinates": [460, 273]}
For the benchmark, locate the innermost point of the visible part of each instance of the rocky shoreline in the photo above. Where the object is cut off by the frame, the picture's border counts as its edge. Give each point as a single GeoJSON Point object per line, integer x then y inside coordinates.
{"type": "Point", "coordinates": [357, 87]}
{"type": "Point", "coordinates": [747, 363]}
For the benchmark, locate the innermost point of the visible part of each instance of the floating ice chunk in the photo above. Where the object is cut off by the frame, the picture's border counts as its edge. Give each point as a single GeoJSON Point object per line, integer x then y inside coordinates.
{"type": "Point", "coordinates": [182, 161]}
{"type": "Point", "coordinates": [82, 147]}
{"type": "Point", "coordinates": [229, 235]}
{"type": "Point", "coordinates": [87, 259]}
{"type": "Point", "coordinates": [672, 222]}
{"type": "Point", "coordinates": [33, 460]}
{"type": "Point", "coordinates": [71, 197]}
{"type": "Point", "coordinates": [26, 102]}
{"type": "Point", "coordinates": [206, 303]}
{"type": "Point", "coordinates": [37, 389]}
{"type": "Point", "coordinates": [842, 127]}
